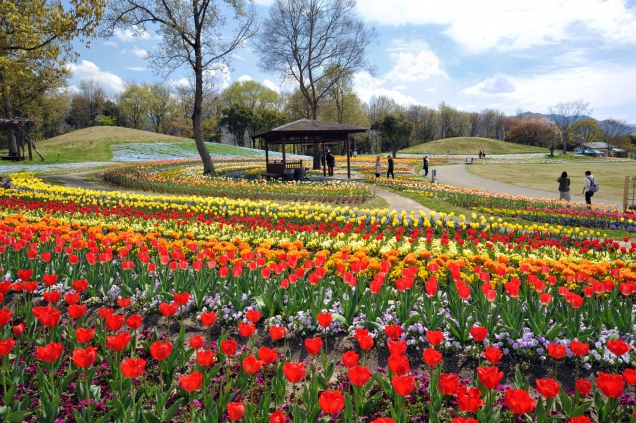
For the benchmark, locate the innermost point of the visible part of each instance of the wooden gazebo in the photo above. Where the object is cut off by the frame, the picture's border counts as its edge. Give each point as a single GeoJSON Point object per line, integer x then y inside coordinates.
{"type": "Point", "coordinates": [306, 132]}
{"type": "Point", "coordinates": [21, 128]}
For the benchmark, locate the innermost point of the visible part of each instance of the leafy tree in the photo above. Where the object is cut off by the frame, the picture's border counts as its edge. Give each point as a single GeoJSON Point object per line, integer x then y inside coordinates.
{"type": "Point", "coordinates": [133, 105]}
{"type": "Point", "coordinates": [161, 106]}
{"type": "Point", "coordinates": [585, 132]}
{"type": "Point", "coordinates": [316, 43]}
{"type": "Point", "coordinates": [237, 119]}
{"type": "Point", "coordinates": [615, 132]}
{"type": "Point", "coordinates": [534, 132]}
{"type": "Point", "coordinates": [566, 115]}
{"type": "Point", "coordinates": [86, 105]}
{"type": "Point", "coordinates": [252, 95]}
{"type": "Point", "coordinates": [395, 130]}
{"type": "Point", "coordinates": [192, 35]}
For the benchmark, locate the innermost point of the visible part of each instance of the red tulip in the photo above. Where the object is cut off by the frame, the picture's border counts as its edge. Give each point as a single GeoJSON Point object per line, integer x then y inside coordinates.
{"type": "Point", "coordinates": [277, 417]}
{"type": "Point", "coordinates": [583, 386]}
{"type": "Point", "coordinates": [5, 316]}
{"type": "Point", "coordinates": [191, 382]}
{"type": "Point", "coordinates": [294, 372]}
{"type": "Point", "coordinates": [630, 376]}
{"type": "Point", "coordinates": [478, 333]}
{"type": "Point", "coordinates": [432, 357]}
{"type": "Point", "coordinates": [610, 385]}
{"type": "Point", "coordinates": [104, 312]}
{"type": "Point", "coordinates": [181, 299]}
{"type": "Point", "coordinates": [47, 316]}
{"type": "Point", "coordinates": [366, 342]}
{"type": "Point", "coordinates": [396, 347]}
{"type": "Point", "coordinates": [161, 350]}
{"type": "Point", "coordinates": [208, 318]}
{"type": "Point", "coordinates": [325, 319]}
{"type": "Point", "coordinates": [556, 351]}
{"type": "Point", "coordinates": [489, 376]}
{"type": "Point", "coordinates": [582, 419]}
{"type": "Point", "coordinates": [6, 346]}
{"type": "Point", "coordinates": [251, 365]}
{"type": "Point", "coordinates": [313, 345]}
{"type": "Point", "coordinates": [469, 399]}
{"type": "Point", "coordinates": [435, 337]}
{"type": "Point", "coordinates": [228, 346]}
{"type": "Point", "coordinates": [383, 420]}
{"type": "Point", "coordinates": [359, 375]}
{"type": "Point", "coordinates": [548, 388]}
{"type": "Point", "coordinates": [519, 401]}
{"type": "Point", "coordinates": [393, 331]}
{"type": "Point", "coordinates": [80, 285]}
{"type": "Point", "coordinates": [277, 332]}
{"type": "Point", "coordinates": [331, 402]}
{"type": "Point", "coordinates": [235, 410]}
{"type": "Point", "coordinates": [448, 383]}
{"type": "Point", "coordinates": [618, 347]}
{"type": "Point", "coordinates": [84, 335]}
{"type": "Point", "coordinates": [545, 298]}
{"type": "Point", "coordinates": [134, 321]}
{"type": "Point", "coordinates": [579, 348]}
{"type": "Point", "coordinates": [493, 355]}
{"type": "Point", "coordinates": [18, 329]}
{"type": "Point", "coordinates": [399, 364]}
{"type": "Point", "coordinates": [246, 329]}
{"type": "Point", "coordinates": [464, 420]}
{"type": "Point", "coordinates": [114, 322]}
{"type": "Point", "coordinates": [267, 355]}
{"type": "Point", "coordinates": [168, 310]}
{"type": "Point", "coordinates": [51, 352]}
{"type": "Point", "coordinates": [124, 302]}
{"type": "Point", "coordinates": [77, 311]}
{"type": "Point", "coordinates": [196, 342]}
{"type": "Point", "coordinates": [49, 279]}
{"type": "Point", "coordinates": [84, 357]}
{"type": "Point", "coordinates": [403, 385]}
{"type": "Point", "coordinates": [118, 342]}
{"type": "Point", "coordinates": [350, 359]}
{"type": "Point", "coordinates": [52, 296]}
{"type": "Point", "coordinates": [253, 315]}
{"type": "Point", "coordinates": [205, 358]}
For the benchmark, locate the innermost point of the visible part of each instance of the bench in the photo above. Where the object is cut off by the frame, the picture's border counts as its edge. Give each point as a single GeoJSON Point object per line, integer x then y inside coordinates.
{"type": "Point", "coordinates": [269, 176]}
{"type": "Point", "coordinates": [277, 170]}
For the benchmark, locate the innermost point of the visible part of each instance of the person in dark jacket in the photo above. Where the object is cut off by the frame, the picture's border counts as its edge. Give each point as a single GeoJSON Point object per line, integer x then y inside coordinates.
{"type": "Point", "coordinates": [564, 187]}
{"type": "Point", "coordinates": [331, 162]}
{"type": "Point", "coordinates": [390, 169]}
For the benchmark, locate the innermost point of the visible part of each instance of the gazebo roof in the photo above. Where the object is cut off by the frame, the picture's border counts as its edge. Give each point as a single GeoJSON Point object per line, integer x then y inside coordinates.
{"type": "Point", "coordinates": [310, 126]}
{"type": "Point", "coordinates": [16, 123]}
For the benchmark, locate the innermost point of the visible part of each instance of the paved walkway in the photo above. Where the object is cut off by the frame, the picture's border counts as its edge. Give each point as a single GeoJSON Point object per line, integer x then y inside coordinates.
{"type": "Point", "coordinates": [457, 175]}
{"type": "Point", "coordinates": [78, 180]}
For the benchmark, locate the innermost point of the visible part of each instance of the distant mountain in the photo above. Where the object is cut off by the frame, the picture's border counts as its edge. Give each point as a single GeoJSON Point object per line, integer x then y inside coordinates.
{"type": "Point", "coordinates": [526, 114]}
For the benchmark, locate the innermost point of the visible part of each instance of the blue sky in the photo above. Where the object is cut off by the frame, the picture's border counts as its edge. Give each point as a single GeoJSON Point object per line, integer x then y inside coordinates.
{"type": "Point", "coordinates": [472, 54]}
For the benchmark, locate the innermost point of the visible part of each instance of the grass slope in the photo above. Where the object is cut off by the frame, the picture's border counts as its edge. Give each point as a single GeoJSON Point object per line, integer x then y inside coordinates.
{"type": "Point", "coordinates": [471, 145]}
{"type": "Point", "coordinates": [610, 176]}
{"type": "Point", "coordinates": [94, 145]}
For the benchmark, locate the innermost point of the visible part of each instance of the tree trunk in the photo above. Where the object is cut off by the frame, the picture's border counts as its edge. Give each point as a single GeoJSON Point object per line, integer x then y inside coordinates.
{"type": "Point", "coordinates": [13, 145]}
{"type": "Point", "coordinates": [208, 166]}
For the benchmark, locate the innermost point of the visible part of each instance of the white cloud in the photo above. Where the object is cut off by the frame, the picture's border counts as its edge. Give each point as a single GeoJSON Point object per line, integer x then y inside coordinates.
{"type": "Point", "coordinates": [603, 85]}
{"type": "Point", "coordinates": [411, 67]}
{"type": "Point", "coordinates": [237, 57]}
{"type": "Point", "coordinates": [367, 86]}
{"type": "Point", "coordinates": [244, 78]}
{"type": "Point", "coordinates": [478, 26]}
{"type": "Point", "coordinates": [136, 68]}
{"type": "Point", "coordinates": [498, 84]}
{"type": "Point", "coordinates": [110, 44]}
{"type": "Point", "coordinates": [131, 33]}
{"type": "Point", "coordinates": [86, 70]}
{"type": "Point", "coordinates": [139, 52]}
{"type": "Point", "coordinates": [269, 84]}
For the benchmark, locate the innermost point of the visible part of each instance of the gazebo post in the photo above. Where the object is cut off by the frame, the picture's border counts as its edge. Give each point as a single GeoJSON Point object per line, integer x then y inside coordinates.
{"type": "Point", "coordinates": [348, 158]}
{"type": "Point", "coordinates": [323, 160]}
{"type": "Point", "coordinates": [283, 147]}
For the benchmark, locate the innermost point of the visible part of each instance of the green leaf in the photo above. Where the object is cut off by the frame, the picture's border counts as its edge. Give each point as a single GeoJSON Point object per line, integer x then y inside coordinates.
{"type": "Point", "coordinates": [17, 417]}
{"type": "Point", "coordinates": [151, 417]}
{"type": "Point", "coordinates": [77, 417]}
{"type": "Point", "coordinates": [338, 318]}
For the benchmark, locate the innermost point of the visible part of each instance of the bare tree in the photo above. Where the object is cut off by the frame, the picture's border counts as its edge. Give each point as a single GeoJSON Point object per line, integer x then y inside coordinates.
{"type": "Point", "coordinates": [566, 115]}
{"type": "Point", "coordinates": [316, 43]}
{"type": "Point", "coordinates": [614, 132]}
{"type": "Point", "coordinates": [191, 35]}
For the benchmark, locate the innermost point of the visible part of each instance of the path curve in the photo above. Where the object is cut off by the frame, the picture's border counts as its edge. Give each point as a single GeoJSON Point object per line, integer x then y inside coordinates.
{"type": "Point", "coordinates": [459, 176]}
{"type": "Point", "coordinates": [78, 180]}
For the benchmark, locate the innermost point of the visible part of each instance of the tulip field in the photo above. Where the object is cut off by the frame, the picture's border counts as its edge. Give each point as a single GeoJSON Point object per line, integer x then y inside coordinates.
{"type": "Point", "coordinates": [119, 307]}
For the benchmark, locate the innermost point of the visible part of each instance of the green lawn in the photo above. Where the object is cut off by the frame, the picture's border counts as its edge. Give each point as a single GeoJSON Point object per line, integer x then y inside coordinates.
{"type": "Point", "coordinates": [472, 145]}
{"type": "Point", "coordinates": [610, 175]}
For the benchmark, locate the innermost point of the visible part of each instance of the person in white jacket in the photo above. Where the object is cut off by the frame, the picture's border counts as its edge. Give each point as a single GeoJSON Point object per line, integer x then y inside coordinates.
{"type": "Point", "coordinates": [587, 188]}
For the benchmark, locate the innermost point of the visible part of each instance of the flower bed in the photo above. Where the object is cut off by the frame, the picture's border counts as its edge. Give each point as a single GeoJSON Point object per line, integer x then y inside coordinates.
{"type": "Point", "coordinates": [429, 283]}
{"type": "Point", "coordinates": [184, 176]}
{"type": "Point", "coordinates": [542, 210]}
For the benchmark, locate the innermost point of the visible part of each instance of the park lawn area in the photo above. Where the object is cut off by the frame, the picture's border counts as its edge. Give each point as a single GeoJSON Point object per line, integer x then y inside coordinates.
{"type": "Point", "coordinates": [472, 145]}
{"type": "Point", "coordinates": [609, 175]}
{"type": "Point", "coordinates": [95, 145]}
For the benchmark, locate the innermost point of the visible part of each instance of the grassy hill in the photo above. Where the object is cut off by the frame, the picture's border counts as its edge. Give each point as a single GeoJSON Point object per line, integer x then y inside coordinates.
{"type": "Point", "coordinates": [96, 145]}
{"type": "Point", "coordinates": [471, 145]}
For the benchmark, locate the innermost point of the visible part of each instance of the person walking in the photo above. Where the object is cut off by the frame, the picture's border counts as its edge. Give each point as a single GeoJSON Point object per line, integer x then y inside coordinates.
{"type": "Point", "coordinates": [331, 162]}
{"type": "Point", "coordinates": [587, 188]}
{"type": "Point", "coordinates": [390, 170]}
{"type": "Point", "coordinates": [564, 187]}
{"type": "Point", "coordinates": [425, 165]}
{"type": "Point", "coordinates": [378, 167]}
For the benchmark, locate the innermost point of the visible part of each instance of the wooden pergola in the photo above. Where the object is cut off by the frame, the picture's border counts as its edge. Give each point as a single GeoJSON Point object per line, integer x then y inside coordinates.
{"type": "Point", "coordinates": [307, 132]}
{"type": "Point", "coordinates": [22, 128]}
